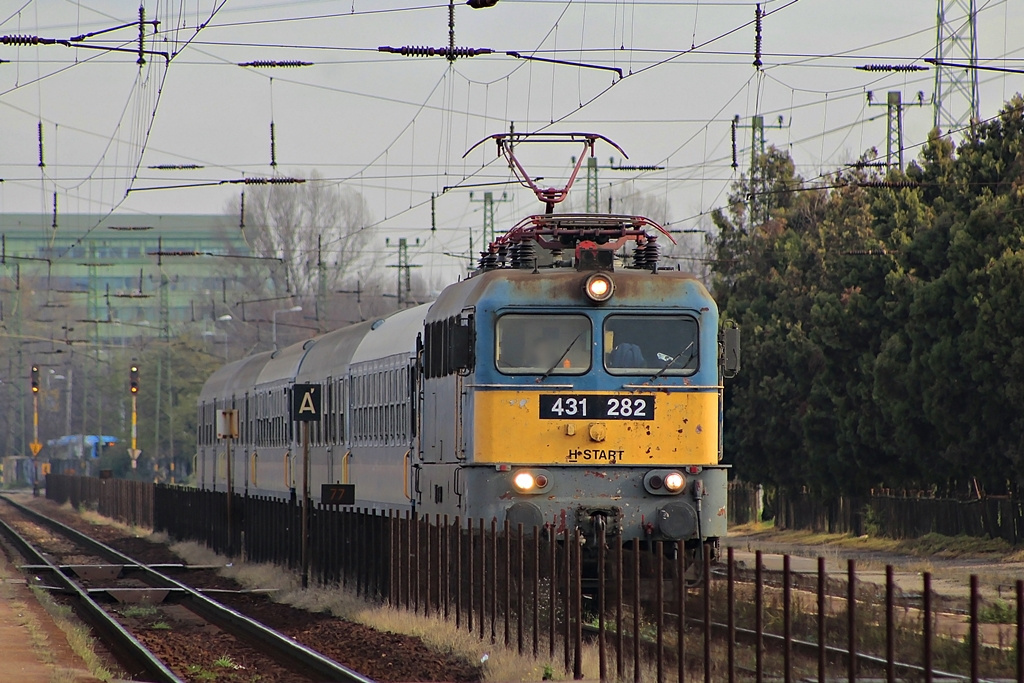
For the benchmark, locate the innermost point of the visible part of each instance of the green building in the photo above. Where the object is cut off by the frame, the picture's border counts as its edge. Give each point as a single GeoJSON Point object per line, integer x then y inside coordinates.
{"type": "Point", "coordinates": [79, 300]}
{"type": "Point", "coordinates": [151, 271]}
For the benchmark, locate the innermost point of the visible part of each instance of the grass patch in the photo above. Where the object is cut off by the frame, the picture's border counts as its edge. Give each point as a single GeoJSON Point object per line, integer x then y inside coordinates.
{"type": "Point", "coordinates": [138, 611]}
{"type": "Point", "coordinates": [225, 662]}
{"type": "Point", "coordinates": [930, 545]}
{"type": "Point", "coordinates": [78, 636]}
{"type": "Point", "coordinates": [96, 519]}
{"type": "Point", "coordinates": [199, 672]}
{"type": "Point", "coordinates": [998, 612]}
{"type": "Point", "coordinates": [752, 528]}
{"type": "Point", "coordinates": [955, 546]}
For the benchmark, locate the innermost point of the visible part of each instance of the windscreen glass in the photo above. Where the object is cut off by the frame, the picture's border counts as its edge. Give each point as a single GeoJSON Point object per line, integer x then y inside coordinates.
{"type": "Point", "coordinates": [538, 344]}
{"type": "Point", "coordinates": [649, 345]}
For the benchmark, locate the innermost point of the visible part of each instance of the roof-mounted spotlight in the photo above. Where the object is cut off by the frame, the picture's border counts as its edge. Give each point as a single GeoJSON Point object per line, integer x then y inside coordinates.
{"type": "Point", "coordinates": [599, 287]}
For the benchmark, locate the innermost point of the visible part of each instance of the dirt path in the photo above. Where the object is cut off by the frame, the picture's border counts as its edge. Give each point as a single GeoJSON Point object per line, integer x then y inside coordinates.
{"type": "Point", "coordinates": [997, 574]}
{"type": "Point", "coordinates": [34, 649]}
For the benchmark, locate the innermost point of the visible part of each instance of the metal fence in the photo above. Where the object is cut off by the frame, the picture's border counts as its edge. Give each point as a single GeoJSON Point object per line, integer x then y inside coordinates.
{"type": "Point", "coordinates": [903, 516]}
{"type": "Point", "coordinates": [129, 502]}
{"type": "Point", "coordinates": [645, 612]}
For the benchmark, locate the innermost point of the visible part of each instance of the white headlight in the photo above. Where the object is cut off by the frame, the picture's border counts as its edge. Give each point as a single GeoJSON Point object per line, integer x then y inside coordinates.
{"type": "Point", "coordinates": [674, 481]}
{"type": "Point", "coordinates": [599, 287]}
{"type": "Point", "coordinates": [665, 482]}
{"type": "Point", "coordinates": [523, 481]}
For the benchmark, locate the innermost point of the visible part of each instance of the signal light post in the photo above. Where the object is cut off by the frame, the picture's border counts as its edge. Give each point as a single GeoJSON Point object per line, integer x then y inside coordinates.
{"type": "Point", "coordinates": [35, 445]}
{"type": "Point", "coordinates": [133, 387]}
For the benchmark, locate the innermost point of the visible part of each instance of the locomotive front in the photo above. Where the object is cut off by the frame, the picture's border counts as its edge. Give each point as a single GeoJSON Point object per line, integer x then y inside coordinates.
{"type": "Point", "coordinates": [587, 397]}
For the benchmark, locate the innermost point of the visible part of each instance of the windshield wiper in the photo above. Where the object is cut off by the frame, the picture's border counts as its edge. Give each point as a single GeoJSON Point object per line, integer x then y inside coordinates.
{"type": "Point", "coordinates": [670, 362]}
{"type": "Point", "coordinates": [560, 358]}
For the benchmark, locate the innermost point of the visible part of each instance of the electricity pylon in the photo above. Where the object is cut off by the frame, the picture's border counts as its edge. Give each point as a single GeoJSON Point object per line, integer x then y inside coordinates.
{"type": "Point", "coordinates": [956, 88]}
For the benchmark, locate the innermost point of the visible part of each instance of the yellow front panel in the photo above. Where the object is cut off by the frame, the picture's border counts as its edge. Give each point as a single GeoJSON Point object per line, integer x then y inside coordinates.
{"type": "Point", "coordinates": [508, 429]}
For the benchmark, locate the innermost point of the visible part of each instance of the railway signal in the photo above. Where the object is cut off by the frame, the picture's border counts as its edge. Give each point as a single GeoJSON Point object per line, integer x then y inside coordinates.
{"type": "Point", "coordinates": [35, 446]}
{"type": "Point", "coordinates": [133, 452]}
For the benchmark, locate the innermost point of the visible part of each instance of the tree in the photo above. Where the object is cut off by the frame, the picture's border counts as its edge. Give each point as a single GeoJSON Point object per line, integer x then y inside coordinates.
{"type": "Point", "coordinates": [959, 352]}
{"type": "Point", "coordinates": [304, 225]}
{"type": "Point", "coordinates": [882, 335]}
{"type": "Point", "coordinates": [807, 286]}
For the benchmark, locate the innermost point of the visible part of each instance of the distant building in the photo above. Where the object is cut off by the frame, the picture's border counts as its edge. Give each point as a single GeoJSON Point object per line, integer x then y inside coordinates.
{"type": "Point", "coordinates": [140, 271]}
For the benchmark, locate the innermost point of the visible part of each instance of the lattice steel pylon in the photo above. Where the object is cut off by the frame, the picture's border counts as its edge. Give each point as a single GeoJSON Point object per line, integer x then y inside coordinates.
{"type": "Point", "coordinates": [894, 140]}
{"type": "Point", "coordinates": [593, 194]}
{"type": "Point", "coordinates": [956, 88]}
{"type": "Point", "coordinates": [404, 290]}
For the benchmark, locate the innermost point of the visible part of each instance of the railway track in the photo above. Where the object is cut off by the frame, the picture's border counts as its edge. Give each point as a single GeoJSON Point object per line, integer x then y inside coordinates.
{"type": "Point", "coordinates": [89, 573]}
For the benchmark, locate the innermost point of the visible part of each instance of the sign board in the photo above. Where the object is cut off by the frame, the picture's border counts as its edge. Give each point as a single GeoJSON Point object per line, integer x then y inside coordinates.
{"type": "Point", "coordinates": [338, 494]}
{"type": "Point", "coordinates": [306, 402]}
{"type": "Point", "coordinates": [36, 447]}
{"type": "Point", "coordinates": [134, 453]}
{"type": "Point", "coordinates": [227, 424]}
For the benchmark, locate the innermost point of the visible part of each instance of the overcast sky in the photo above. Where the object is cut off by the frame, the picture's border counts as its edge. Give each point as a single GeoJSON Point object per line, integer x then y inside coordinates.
{"type": "Point", "coordinates": [396, 128]}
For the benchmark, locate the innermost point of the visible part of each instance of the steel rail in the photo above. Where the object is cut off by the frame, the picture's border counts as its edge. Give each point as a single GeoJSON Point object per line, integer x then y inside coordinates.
{"type": "Point", "coordinates": [132, 654]}
{"type": "Point", "coordinates": [801, 644]}
{"type": "Point", "coordinates": [231, 621]}
{"type": "Point", "coordinates": [773, 579]}
{"type": "Point", "coordinates": [808, 646]}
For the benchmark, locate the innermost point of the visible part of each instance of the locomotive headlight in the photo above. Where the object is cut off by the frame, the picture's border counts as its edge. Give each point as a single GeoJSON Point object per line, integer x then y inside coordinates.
{"type": "Point", "coordinates": [524, 481]}
{"type": "Point", "coordinates": [664, 482]}
{"type": "Point", "coordinates": [530, 481]}
{"type": "Point", "coordinates": [674, 482]}
{"type": "Point", "coordinates": [599, 287]}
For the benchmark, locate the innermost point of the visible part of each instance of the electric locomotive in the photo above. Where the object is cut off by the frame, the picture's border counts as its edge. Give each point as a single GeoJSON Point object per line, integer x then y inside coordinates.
{"type": "Point", "coordinates": [560, 386]}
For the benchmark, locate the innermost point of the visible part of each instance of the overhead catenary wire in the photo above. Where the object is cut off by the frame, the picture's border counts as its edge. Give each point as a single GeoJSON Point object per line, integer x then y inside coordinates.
{"type": "Point", "coordinates": [393, 164]}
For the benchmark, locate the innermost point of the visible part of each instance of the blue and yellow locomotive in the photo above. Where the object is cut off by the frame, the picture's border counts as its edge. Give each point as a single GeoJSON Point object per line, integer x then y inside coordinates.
{"type": "Point", "coordinates": [557, 386]}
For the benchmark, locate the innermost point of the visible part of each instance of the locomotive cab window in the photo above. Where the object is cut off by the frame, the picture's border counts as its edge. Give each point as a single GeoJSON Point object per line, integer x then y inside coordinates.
{"type": "Point", "coordinates": [648, 345]}
{"type": "Point", "coordinates": [534, 344]}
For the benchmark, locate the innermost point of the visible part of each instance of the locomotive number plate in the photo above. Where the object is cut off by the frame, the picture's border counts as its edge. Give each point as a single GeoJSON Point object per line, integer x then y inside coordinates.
{"type": "Point", "coordinates": [596, 406]}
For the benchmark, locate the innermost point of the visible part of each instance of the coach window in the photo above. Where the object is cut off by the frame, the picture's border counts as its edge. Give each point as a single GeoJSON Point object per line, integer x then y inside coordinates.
{"type": "Point", "coordinates": [649, 345]}
{"type": "Point", "coordinates": [534, 344]}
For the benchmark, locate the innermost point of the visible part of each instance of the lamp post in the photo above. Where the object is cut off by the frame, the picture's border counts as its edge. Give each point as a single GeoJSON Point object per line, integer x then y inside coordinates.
{"type": "Point", "coordinates": [273, 318]}
{"type": "Point", "coordinates": [67, 396]}
{"type": "Point", "coordinates": [223, 319]}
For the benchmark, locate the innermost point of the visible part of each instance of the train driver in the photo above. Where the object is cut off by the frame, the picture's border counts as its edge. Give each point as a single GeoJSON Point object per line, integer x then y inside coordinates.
{"type": "Point", "coordinates": [626, 355]}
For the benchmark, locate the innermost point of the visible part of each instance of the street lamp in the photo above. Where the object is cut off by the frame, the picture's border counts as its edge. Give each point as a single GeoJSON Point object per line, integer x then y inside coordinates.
{"type": "Point", "coordinates": [273, 318]}
{"type": "Point", "coordinates": [67, 396]}
{"type": "Point", "coordinates": [223, 319]}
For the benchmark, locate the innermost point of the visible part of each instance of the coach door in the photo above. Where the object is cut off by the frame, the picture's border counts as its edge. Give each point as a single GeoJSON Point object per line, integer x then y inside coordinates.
{"type": "Point", "coordinates": [446, 355]}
